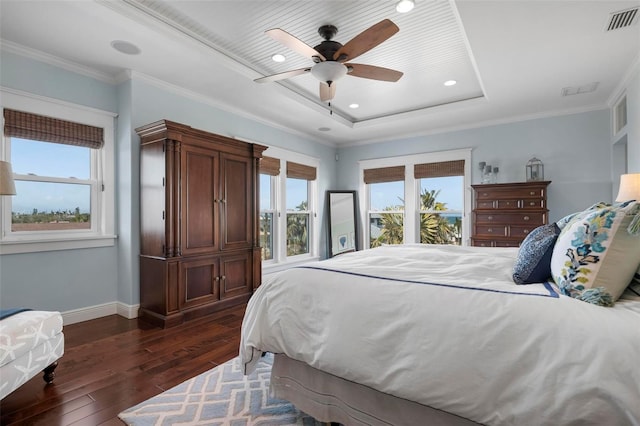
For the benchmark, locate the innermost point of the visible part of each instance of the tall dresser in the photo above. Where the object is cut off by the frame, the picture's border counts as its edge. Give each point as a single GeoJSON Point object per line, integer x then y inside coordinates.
{"type": "Point", "coordinates": [199, 224]}
{"type": "Point", "coordinates": [505, 213]}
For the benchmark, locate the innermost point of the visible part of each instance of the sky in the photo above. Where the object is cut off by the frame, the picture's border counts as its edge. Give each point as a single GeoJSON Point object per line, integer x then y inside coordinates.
{"type": "Point", "coordinates": [32, 157]}
{"type": "Point", "coordinates": [451, 192]}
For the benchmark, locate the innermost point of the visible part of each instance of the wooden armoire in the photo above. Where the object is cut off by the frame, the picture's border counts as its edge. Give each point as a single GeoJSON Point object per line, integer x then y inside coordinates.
{"type": "Point", "coordinates": [199, 222]}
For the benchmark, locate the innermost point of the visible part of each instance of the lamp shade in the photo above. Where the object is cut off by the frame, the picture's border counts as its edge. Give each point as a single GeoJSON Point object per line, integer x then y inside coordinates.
{"type": "Point", "coordinates": [7, 187]}
{"type": "Point", "coordinates": [629, 187]}
{"type": "Point", "coordinates": [329, 71]}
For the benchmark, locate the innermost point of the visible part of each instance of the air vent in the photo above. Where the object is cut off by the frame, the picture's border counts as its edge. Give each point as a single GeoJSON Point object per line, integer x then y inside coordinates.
{"type": "Point", "coordinates": [622, 19]}
{"type": "Point", "coordinates": [579, 90]}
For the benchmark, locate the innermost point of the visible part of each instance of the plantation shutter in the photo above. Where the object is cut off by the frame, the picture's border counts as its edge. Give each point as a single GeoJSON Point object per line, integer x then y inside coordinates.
{"type": "Point", "coordinates": [270, 166]}
{"type": "Point", "coordinates": [35, 127]}
{"type": "Point", "coordinates": [300, 171]}
{"type": "Point", "coordinates": [384, 174]}
{"type": "Point", "coordinates": [441, 169]}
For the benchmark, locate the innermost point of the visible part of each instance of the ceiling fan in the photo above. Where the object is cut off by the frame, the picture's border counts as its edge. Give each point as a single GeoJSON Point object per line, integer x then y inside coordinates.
{"type": "Point", "coordinates": [331, 57]}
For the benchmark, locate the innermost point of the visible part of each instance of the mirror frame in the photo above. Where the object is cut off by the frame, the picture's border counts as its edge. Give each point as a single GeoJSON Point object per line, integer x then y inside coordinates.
{"type": "Point", "coordinates": [330, 226]}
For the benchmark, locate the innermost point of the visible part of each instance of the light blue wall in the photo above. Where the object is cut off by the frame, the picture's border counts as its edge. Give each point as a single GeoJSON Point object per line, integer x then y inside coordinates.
{"type": "Point", "coordinates": [70, 279]}
{"type": "Point", "coordinates": [575, 150]}
{"type": "Point", "coordinates": [633, 123]}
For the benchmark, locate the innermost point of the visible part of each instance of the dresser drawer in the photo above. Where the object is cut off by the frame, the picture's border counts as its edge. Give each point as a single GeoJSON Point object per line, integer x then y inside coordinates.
{"type": "Point", "coordinates": [495, 243]}
{"type": "Point", "coordinates": [533, 219]}
{"type": "Point", "coordinates": [509, 193]}
{"type": "Point", "coordinates": [492, 230]}
{"type": "Point", "coordinates": [520, 230]}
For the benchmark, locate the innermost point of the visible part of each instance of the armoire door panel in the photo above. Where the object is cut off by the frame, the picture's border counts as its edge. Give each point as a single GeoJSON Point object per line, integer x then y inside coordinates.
{"type": "Point", "coordinates": [199, 282]}
{"type": "Point", "coordinates": [236, 276]}
{"type": "Point", "coordinates": [236, 208]}
{"type": "Point", "coordinates": [200, 203]}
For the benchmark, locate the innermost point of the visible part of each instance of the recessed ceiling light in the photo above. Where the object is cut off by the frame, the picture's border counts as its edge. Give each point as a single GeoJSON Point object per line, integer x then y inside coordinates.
{"type": "Point", "coordinates": [125, 47]}
{"type": "Point", "coordinates": [324, 129]}
{"type": "Point", "coordinates": [354, 106]}
{"type": "Point", "coordinates": [278, 58]}
{"type": "Point", "coordinates": [404, 6]}
{"type": "Point", "coordinates": [450, 82]}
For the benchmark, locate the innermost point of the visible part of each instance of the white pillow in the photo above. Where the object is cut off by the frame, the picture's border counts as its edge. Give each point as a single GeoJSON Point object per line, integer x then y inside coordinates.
{"type": "Point", "coordinates": [595, 257]}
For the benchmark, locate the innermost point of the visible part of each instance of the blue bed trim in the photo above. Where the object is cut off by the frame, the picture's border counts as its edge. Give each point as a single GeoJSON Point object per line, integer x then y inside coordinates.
{"type": "Point", "coordinates": [547, 285]}
{"type": "Point", "coordinates": [5, 313]}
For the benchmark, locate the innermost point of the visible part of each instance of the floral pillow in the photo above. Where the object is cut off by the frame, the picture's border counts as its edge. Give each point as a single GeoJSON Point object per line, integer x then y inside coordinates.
{"type": "Point", "coordinates": [595, 256]}
{"type": "Point", "coordinates": [533, 264]}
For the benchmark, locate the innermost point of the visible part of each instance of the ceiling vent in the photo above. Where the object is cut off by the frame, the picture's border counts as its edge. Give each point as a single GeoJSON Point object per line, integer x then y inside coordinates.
{"type": "Point", "coordinates": [622, 19]}
{"type": "Point", "coordinates": [579, 90]}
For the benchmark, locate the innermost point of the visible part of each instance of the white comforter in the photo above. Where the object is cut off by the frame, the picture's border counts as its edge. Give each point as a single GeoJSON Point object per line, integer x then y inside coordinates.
{"type": "Point", "coordinates": [446, 326]}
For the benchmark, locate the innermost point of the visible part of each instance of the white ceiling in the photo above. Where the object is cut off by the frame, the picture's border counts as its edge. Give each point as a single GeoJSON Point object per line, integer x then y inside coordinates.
{"type": "Point", "coordinates": [511, 59]}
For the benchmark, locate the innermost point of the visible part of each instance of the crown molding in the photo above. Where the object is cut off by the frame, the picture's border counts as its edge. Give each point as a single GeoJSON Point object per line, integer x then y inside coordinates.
{"type": "Point", "coordinates": [624, 83]}
{"type": "Point", "coordinates": [47, 58]}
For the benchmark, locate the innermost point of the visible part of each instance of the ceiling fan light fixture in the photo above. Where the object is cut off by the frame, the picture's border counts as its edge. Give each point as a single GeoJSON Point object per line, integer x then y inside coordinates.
{"type": "Point", "coordinates": [329, 71]}
{"type": "Point", "coordinates": [450, 83]}
{"type": "Point", "coordinates": [354, 106]}
{"type": "Point", "coordinates": [278, 58]}
{"type": "Point", "coordinates": [404, 6]}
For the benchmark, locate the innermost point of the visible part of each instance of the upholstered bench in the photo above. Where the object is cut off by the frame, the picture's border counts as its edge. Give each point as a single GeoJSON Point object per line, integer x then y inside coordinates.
{"type": "Point", "coordinates": [30, 342]}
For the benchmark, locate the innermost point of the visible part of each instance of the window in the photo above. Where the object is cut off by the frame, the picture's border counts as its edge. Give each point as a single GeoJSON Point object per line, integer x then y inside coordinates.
{"type": "Point", "coordinates": [60, 155]}
{"type": "Point", "coordinates": [269, 170]}
{"type": "Point", "coordinates": [386, 205]}
{"type": "Point", "coordinates": [417, 199]}
{"type": "Point", "coordinates": [287, 207]}
{"type": "Point", "coordinates": [441, 201]}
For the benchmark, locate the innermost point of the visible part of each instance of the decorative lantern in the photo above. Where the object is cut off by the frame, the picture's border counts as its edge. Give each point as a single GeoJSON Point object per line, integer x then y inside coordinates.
{"type": "Point", "coordinates": [535, 170]}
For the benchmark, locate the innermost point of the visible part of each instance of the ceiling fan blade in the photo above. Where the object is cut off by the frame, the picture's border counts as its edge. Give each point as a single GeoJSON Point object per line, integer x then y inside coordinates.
{"type": "Point", "coordinates": [294, 43]}
{"type": "Point", "coordinates": [282, 75]}
{"type": "Point", "coordinates": [373, 72]}
{"type": "Point", "coordinates": [366, 40]}
{"type": "Point", "coordinates": [327, 92]}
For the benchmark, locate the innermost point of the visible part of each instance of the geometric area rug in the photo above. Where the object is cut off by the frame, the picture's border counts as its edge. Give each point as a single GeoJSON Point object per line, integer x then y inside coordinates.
{"type": "Point", "coordinates": [220, 396]}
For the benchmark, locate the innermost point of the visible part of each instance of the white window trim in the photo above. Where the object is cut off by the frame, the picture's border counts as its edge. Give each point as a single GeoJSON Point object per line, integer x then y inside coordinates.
{"type": "Point", "coordinates": [281, 260]}
{"type": "Point", "coordinates": [104, 233]}
{"type": "Point", "coordinates": [410, 234]}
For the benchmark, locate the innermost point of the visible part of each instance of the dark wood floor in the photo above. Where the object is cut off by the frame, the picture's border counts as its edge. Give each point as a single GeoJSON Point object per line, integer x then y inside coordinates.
{"type": "Point", "coordinates": [112, 363]}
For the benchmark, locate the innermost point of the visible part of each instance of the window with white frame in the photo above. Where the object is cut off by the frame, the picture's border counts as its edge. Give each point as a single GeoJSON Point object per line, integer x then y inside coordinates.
{"type": "Point", "coordinates": [60, 155]}
{"type": "Point", "coordinates": [441, 201]}
{"type": "Point", "coordinates": [287, 207]}
{"type": "Point", "coordinates": [386, 210]}
{"type": "Point", "coordinates": [418, 198]}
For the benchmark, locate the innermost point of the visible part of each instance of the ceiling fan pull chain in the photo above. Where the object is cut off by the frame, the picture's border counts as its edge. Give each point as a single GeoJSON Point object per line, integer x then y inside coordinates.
{"type": "Point", "coordinates": [330, 109]}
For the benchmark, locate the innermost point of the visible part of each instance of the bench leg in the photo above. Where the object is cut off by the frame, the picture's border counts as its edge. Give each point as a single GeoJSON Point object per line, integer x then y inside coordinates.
{"type": "Point", "coordinates": [49, 372]}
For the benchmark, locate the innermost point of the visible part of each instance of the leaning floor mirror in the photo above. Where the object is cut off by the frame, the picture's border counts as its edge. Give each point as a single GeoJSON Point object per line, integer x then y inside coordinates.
{"type": "Point", "coordinates": [342, 222]}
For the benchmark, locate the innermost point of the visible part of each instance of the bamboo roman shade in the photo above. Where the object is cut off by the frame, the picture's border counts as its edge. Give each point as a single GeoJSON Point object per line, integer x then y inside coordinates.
{"type": "Point", "coordinates": [35, 127]}
{"type": "Point", "coordinates": [384, 174]}
{"type": "Point", "coordinates": [441, 169]}
{"type": "Point", "coordinates": [300, 171]}
{"type": "Point", "coordinates": [270, 166]}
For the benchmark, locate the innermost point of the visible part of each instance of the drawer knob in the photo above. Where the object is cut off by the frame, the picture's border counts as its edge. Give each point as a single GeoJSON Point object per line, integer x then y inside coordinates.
{"type": "Point", "coordinates": [490, 230]}
{"type": "Point", "coordinates": [532, 193]}
{"type": "Point", "coordinates": [526, 218]}
{"type": "Point", "coordinates": [484, 194]}
{"type": "Point", "coordinates": [525, 231]}
{"type": "Point", "coordinates": [532, 203]}
{"type": "Point", "coordinates": [489, 217]}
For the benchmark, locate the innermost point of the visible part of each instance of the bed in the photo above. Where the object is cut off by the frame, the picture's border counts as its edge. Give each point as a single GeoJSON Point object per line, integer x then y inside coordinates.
{"type": "Point", "coordinates": [428, 334]}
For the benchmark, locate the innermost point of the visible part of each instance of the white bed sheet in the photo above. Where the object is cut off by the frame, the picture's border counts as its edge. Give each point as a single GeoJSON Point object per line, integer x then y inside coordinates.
{"type": "Point", "coordinates": [446, 326]}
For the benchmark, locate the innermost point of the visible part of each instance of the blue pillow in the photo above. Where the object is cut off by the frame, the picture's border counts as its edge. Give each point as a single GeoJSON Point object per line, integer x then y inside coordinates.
{"type": "Point", "coordinates": [533, 264]}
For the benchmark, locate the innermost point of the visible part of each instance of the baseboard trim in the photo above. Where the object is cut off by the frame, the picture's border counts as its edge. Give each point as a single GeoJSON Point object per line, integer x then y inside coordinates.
{"type": "Point", "coordinates": [98, 311]}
